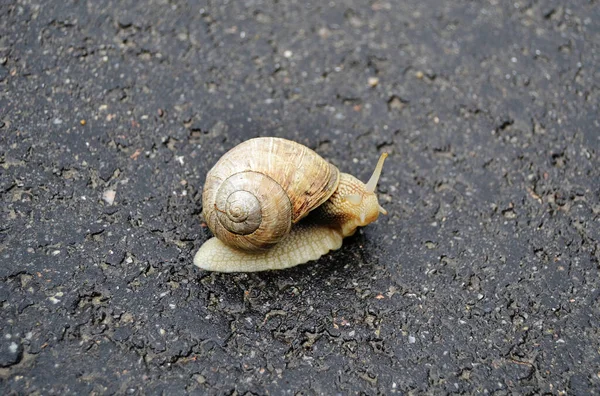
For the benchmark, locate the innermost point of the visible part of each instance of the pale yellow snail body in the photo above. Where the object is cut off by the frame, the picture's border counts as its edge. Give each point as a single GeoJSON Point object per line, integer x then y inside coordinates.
{"type": "Point", "coordinates": [256, 195]}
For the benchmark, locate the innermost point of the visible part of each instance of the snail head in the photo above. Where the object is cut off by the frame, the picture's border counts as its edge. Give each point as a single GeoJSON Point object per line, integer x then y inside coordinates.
{"type": "Point", "coordinates": [354, 204]}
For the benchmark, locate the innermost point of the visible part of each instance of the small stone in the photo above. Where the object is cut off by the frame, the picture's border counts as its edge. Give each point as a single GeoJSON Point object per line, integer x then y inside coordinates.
{"type": "Point", "coordinates": [411, 339]}
{"type": "Point", "coordinates": [115, 257]}
{"type": "Point", "coordinates": [430, 245]}
{"type": "Point", "coordinates": [419, 75]}
{"type": "Point", "coordinates": [395, 103]}
{"type": "Point", "coordinates": [108, 196]}
{"type": "Point", "coordinates": [121, 334]}
{"type": "Point", "coordinates": [125, 20]}
{"type": "Point", "coordinates": [509, 213]}
{"type": "Point", "coordinates": [199, 378]}
{"type": "Point", "coordinates": [373, 81]}
{"type": "Point", "coordinates": [10, 354]}
{"type": "Point", "coordinates": [219, 128]}
{"type": "Point", "coordinates": [288, 54]}
{"type": "Point", "coordinates": [324, 32]}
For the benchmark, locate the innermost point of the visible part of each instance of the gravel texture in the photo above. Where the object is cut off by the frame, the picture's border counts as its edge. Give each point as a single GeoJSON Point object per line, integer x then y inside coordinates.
{"type": "Point", "coordinates": [484, 277]}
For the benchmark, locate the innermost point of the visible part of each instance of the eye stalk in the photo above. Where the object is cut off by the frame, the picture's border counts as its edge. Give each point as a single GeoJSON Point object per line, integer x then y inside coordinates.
{"type": "Point", "coordinates": [372, 183]}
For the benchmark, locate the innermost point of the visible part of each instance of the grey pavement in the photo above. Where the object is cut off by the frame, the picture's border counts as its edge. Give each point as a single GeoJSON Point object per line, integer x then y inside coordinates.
{"type": "Point", "coordinates": [483, 279]}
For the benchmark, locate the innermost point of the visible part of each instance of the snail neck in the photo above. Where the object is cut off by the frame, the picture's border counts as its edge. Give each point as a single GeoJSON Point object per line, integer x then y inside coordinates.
{"type": "Point", "coordinates": [351, 206]}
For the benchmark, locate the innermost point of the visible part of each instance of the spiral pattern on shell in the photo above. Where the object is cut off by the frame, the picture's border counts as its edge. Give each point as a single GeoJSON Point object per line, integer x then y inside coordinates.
{"type": "Point", "coordinates": [260, 188]}
{"type": "Point", "coordinates": [254, 209]}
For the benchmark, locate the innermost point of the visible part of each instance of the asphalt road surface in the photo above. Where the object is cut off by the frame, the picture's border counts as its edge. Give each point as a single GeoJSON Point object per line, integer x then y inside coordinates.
{"type": "Point", "coordinates": [483, 279]}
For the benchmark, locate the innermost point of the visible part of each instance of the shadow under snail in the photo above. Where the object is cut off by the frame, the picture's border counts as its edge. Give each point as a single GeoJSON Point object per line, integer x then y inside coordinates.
{"type": "Point", "coordinates": [256, 195]}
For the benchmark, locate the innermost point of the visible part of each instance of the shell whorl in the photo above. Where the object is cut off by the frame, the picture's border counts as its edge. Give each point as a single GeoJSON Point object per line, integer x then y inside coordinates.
{"type": "Point", "coordinates": [254, 209]}
{"type": "Point", "coordinates": [260, 188]}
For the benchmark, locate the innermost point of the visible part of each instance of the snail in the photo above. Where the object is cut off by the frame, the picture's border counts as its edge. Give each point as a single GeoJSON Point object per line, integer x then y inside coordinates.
{"type": "Point", "coordinates": [257, 193]}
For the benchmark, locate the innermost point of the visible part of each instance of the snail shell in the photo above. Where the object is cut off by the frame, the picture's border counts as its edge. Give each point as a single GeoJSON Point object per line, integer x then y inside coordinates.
{"type": "Point", "coordinates": [260, 188]}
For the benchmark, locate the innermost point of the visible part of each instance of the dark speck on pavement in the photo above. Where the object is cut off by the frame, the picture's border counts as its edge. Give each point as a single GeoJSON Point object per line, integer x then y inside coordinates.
{"type": "Point", "coordinates": [483, 279]}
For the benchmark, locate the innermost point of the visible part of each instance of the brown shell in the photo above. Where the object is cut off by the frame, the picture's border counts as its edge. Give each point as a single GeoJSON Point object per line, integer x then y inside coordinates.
{"type": "Point", "coordinates": [278, 181]}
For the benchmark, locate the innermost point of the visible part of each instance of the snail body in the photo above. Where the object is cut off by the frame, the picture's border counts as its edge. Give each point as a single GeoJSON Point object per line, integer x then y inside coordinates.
{"type": "Point", "coordinates": [257, 194]}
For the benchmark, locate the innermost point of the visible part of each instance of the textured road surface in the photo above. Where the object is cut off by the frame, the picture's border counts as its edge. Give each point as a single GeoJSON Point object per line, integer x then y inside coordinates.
{"type": "Point", "coordinates": [484, 277]}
